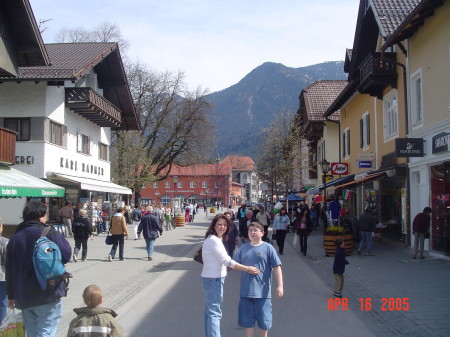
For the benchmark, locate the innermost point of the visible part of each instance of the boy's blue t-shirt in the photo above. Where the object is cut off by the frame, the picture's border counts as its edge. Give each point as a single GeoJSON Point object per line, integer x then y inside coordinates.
{"type": "Point", "coordinates": [265, 258]}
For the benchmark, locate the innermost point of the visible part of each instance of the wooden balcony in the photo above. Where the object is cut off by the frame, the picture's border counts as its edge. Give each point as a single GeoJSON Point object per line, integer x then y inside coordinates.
{"type": "Point", "coordinates": [376, 74]}
{"type": "Point", "coordinates": [7, 146]}
{"type": "Point", "coordinates": [92, 106]}
{"type": "Point", "coordinates": [314, 131]}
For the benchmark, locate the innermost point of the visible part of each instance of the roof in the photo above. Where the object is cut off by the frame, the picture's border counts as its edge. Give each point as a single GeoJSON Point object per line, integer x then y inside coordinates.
{"type": "Point", "coordinates": [14, 183]}
{"type": "Point", "coordinates": [319, 95]}
{"type": "Point", "coordinates": [71, 61]}
{"type": "Point", "coordinates": [201, 170]}
{"type": "Point", "coordinates": [345, 94]}
{"type": "Point", "coordinates": [239, 163]}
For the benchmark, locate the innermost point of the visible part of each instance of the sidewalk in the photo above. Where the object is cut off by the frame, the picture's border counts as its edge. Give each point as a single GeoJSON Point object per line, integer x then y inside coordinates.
{"type": "Point", "coordinates": [388, 275]}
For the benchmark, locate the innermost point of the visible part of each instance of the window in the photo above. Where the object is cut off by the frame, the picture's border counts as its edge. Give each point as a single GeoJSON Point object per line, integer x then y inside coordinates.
{"type": "Point", "coordinates": [84, 144]}
{"type": "Point", "coordinates": [103, 151]}
{"type": "Point", "coordinates": [56, 133]}
{"type": "Point", "coordinates": [416, 99]}
{"type": "Point", "coordinates": [21, 126]}
{"type": "Point", "coordinates": [346, 142]}
{"type": "Point", "coordinates": [216, 184]}
{"type": "Point", "coordinates": [192, 184]}
{"type": "Point", "coordinates": [155, 184]}
{"type": "Point", "coordinates": [390, 115]}
{"type": "Point", "coordinates": [167, 184]}
{"type": "Point", "coordinates": [364, 128]}
{"type": "Point", "coordinates": [180, 184]}
{"type": "Point", "coordinates": [204, 184]}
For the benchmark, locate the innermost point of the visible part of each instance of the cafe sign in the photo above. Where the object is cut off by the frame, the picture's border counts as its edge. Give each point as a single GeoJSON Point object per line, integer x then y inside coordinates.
{"type": "Point", "coordinates": [409, 147]}
{"type": "Point", "coordinates": [441, 142]}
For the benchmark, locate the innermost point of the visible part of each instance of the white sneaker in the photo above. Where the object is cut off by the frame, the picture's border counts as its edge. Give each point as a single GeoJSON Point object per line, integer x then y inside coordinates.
{"type": "Point", "coordinates": [74, 257]}
{"type": "Point", "coordinates": [109, 258]}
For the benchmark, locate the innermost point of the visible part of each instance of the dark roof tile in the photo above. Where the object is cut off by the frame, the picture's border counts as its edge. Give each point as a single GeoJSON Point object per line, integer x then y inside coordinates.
{"type": "Point", "coordinates": [391, 13]}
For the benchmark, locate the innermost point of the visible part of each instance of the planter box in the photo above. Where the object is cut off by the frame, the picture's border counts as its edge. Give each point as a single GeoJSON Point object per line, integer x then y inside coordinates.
{"type": "Point", "coordinates": [330, 248]}
{"type": "Point", "coordinates": [179, 220]}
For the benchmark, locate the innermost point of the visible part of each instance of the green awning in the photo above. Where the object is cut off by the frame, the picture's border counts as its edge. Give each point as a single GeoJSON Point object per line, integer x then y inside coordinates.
{"type": "Point", "coordinates": [14, 183]}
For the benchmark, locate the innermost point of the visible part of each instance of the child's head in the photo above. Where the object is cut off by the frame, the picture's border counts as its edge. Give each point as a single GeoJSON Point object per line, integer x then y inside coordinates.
{"type": "Point", "coordinates": [93, 296]}
{"type": "Point", "coordinates": [338, 243]}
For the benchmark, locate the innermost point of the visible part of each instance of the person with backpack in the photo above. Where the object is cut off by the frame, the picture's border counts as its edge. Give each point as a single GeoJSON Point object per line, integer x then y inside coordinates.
{"type": "Point", "coordinates": [82, 231]}
{"type": "Point", "coordinates": [41, 309]}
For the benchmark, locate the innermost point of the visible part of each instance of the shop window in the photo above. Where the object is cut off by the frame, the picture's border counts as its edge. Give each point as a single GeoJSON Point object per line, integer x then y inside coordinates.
{"type": "Point", "coordinates": [20, 125]}
{"type": "Point", "coordinates": [83, 144]}
{"type": "Point", "coordinates": [390, 115]}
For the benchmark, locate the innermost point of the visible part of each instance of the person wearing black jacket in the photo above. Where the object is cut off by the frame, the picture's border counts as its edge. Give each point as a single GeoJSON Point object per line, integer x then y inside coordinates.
{"type": "Point", "coordinates": [339, 267]}
{"type": "Point", "coordinates": [41, 309]}
{"type": "Point", "coordinates": [150, 225]}
{"type": "Point", "coordinates": [303, 226]}
{"type": "Point", "coordinates": [82, 231]}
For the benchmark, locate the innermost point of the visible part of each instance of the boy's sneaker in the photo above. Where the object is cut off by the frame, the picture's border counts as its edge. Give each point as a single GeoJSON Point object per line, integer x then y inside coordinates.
{"type": "Point", "coordinates": [74, 257]}
{"type": "Point", "coordinates": [109, 258]}
{"type": "Point", "coordinates": [338, 295]}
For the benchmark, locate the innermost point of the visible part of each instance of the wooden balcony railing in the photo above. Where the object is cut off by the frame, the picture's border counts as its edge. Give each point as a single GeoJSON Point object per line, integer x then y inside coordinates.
{"type": "Point", "coordinates": [377, 73]}
{"type": "Point", "coordinates": [92, 106]}
{"type": "Point", "coordinates": [7, 146]}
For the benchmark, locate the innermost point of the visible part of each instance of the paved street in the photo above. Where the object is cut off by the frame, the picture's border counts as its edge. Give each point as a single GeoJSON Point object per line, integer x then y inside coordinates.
{"type": "Point", "coordinates": [164, 297]}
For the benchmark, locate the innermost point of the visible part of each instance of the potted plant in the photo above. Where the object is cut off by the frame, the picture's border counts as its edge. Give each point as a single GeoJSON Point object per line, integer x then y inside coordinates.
{"type": "Point", "coordinates": [332, 233]}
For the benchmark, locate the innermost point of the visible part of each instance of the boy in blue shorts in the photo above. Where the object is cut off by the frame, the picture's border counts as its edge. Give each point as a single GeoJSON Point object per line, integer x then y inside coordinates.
{"type": "Point", "coordinates": [255, 304]}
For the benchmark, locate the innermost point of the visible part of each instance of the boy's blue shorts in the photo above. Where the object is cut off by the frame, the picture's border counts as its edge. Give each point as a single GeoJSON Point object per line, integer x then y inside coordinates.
{"type": "Point", "coordinates": [255, 309]}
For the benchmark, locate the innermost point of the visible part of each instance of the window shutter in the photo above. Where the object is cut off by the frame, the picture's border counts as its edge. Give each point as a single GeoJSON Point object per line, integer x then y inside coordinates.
{"type": "Point", "coordinates": [361, 133]}
{"type": "Point", "coordinates": [345, 144]}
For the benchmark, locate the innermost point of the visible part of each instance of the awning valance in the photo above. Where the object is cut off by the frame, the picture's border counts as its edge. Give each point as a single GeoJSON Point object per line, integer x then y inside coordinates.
{"type": "Point", "coordinates": [366, 178]}
{"type": "Point", "coordinates": [14, 183]}
{"type": "Point", "coordinates": [92, 184]}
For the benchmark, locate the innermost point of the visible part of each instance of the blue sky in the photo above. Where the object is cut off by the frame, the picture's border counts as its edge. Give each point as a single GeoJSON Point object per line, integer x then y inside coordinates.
{"type": "Point", "coordinates": [215, 42]}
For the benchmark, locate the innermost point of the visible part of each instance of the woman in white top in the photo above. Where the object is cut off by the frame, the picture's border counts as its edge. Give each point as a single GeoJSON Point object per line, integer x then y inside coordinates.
{"type": "Point", "coordinates": [215, 263]}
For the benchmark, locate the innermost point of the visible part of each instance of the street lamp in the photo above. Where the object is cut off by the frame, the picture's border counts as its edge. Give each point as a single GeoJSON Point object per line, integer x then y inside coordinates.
{"type": "Point", "coordinates": [175, 182]}
{"type": "Point", "coordinates": [325, 166]}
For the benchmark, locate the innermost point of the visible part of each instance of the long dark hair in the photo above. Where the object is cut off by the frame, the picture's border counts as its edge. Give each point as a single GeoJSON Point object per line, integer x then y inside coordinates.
{"type": "Point", "coordinates": [211, 230]}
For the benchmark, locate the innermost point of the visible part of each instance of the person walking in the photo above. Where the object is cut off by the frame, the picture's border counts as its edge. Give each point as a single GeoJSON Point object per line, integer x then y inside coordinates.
{"type": "Point", "coordinates": [152, 229]}
{"type": "Point", "coordinates": [421, 227]}
{"type": "Point", "coordinates": [303, 227]}
{"type": "Point", "coordinates": [82, 231]}
{"type": "Point", "coordinates": [231, 242]}
{"type": "Point", "coordinates": [244, 222]}
{"type": "Point", "coordinates": [263, 217]}
{"type": "Point", "coordinates": [119, 232]}
{"type": "Point", "coordinates": [367, 225]}
{"type": "Point", "coordinates": [66, 214]}
{"type": "Point", "coordinates": [41, 309]}
{"type": "Point", "coordinates": [314, 217]}
{"type": "Point", "coordinates": [339, 267]}
{"type": "Point", "coordinates": [255, 304]}
{"type": "Point", "coordinates": [136, 215]}
{"type": "Point", "coordinates": [280, 226]}
{"type": "Point", "coordinates": [215, 263]}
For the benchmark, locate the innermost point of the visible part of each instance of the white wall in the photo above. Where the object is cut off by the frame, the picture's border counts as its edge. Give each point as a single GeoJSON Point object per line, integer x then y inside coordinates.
{"type": "Point", "coordinates": [11, 210]}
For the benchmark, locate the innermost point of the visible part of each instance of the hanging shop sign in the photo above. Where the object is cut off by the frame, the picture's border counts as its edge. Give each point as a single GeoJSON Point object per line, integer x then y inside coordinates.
{"type": "Point", "coordinates": [441, 142]}
{"type": "Point", "coordinates": [409, 147]}
{"type": "Point", "coordinates": [339, 168]}
{"type": "Point", "coordinates": [326, 178]}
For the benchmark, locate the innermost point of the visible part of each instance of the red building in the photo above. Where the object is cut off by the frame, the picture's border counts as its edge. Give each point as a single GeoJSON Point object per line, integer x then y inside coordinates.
{"type": "Point", "coordinates": [203, 183]}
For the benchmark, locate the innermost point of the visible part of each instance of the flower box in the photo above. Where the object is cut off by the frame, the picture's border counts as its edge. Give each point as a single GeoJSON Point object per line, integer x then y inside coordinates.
{"type": "Point", "coordinates": [333, 233]}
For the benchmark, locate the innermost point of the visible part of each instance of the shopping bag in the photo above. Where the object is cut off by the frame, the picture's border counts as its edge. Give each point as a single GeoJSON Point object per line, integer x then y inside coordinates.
{"type": "Point", "coordinates": [198, 255]}
{"type": "Point", "coordinates": [109, 240]}
{"type": "Point", "coordinates": [12, 325]}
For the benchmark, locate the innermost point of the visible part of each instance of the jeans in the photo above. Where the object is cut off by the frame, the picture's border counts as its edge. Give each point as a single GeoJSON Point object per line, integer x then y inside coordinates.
{"type": "Point", "coordinates": [366, 240]}
{"type": "Point", "coordinates": [2, 300]}
{"type": "Point", "coordinates": [67, 227]}
{"type": "Point", "coordinates": [150, 244]}
{"type": "Point", "coordinates": [303, 236]}
{"type": "Point", "coordinates": [213, 289]}
{"type": "Point", "coordinates": [419, 238]}
{"type": "Point", "coordinates": [117, 240]}
{"type": "Point", "coordinates": [79, 242]}
{"type": "Point", "coordinates": [42, 320]}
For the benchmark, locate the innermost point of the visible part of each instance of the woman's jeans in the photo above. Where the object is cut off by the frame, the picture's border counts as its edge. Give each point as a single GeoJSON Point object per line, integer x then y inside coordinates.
{"type": "Point", "coordinates": [2, 300]}
{"type": "Point", "coordinates": [303, 234]}
{"type": "Point", "coordinates": [280, 235]}
{"type": "Point", "coordinates": [117, 240]}
{"type": "Point", "coordinates": [78, 244]}
{"type": "Point", "coordinates": [150, 244]}
{"type": "Point", "coordinates": [213, 289]}
{"type": "Point", "coordinates": [42, 320]}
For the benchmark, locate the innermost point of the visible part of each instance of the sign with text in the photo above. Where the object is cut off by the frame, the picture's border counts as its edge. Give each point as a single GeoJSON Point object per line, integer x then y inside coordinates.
{"type": "Point", "coordinates": [441, 142]}
{"type": "Point", "coordinates": [366, 156]}
{"type": "Point", "coordinates": [327, 178]}
{"type": "Point", "coordinates": [364, 164]}
{"type": "Point", "coordinates": [409, 147]}
{"type": "Point", "coordinates": [339, 168]}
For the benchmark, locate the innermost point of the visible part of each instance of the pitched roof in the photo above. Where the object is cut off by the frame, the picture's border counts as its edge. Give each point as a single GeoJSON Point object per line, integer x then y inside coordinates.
{"type": "Point", "coordinates": [239, 163]}
{"type": "Point", "coordinates": [318, 96]}
{"type": "Point", "coordinates": [201, 170]}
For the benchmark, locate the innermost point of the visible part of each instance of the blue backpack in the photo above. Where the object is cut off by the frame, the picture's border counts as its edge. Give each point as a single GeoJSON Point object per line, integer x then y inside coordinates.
{"type": "Point", "coordinates": [47, 261]}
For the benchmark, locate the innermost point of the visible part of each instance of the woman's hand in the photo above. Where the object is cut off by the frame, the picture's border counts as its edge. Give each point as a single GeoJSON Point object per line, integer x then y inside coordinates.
{"type": "Point", "coordinates": [253, 270]}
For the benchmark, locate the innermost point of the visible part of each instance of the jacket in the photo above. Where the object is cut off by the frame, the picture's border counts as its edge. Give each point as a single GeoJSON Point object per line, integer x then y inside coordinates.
{"type": "Point", "coordinates": [421, 223]}
{"type": "Point", "coordinates": [94, 322]}
{"type": "Point", "coordinates": [150, 225]}
{"type": "Point", "coordinates": [118, 225]}
{"type": "Point", "coordinates": [366, 223]}
{"type": "Point", "coordinates": [21, 282]}
{"type": "Point", "coordinates": [81, 228]}
{"type": "Point", "coordinates": [297, 222]}
{"type": "Point", "coordinates": [281, 222]}
{"type": "Point", "coordinates": [339, 261]}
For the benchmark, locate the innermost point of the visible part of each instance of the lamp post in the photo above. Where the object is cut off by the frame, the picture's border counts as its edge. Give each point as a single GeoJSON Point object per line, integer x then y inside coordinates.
{"type": "Point", "coordinates": [325, 166]}
{"type": "Point", "coordinates": [175, 182]}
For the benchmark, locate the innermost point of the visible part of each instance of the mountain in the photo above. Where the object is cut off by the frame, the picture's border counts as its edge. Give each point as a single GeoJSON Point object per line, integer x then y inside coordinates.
{"type": "Point", "coordinates": [244, 109]}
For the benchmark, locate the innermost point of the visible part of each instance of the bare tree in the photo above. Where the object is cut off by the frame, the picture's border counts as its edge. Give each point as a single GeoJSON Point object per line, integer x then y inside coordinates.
{"type": "Point", "coordinates": [75, 35]}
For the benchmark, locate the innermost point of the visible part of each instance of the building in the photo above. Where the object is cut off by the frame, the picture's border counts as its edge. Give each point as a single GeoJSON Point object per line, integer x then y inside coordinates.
{"type": "Point", "coordinates": [244, 173]}
{"type": "Point", "coordinates": [64, 114]}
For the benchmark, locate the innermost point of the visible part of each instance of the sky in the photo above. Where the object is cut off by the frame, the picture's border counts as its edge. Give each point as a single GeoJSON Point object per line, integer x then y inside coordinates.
{"type": "Point", "coordinates": [214, 42]}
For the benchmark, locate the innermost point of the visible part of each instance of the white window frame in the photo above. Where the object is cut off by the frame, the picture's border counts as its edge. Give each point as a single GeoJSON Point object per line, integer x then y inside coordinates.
{"type": "Point", "coordinates": [390, 116]}
{"type": "Point", "coordinates": [365, 130]}
{"type": "Point", "coordinates": [180, 184]}
{"type": "Point", "coordinates": [155, 184]}
{"type": "Point", "coordinates": [204, 184]}
{"type": "Point", "coordinates": [83, 143]}
{"type": "Point", "coordinates": [191, 184]}
{"type": "Point", "coordinates": [167, 184]}
{"type": "Point", "coordinates": [416, 111]}
{"type": "Point", "coordinates": [346, 143]}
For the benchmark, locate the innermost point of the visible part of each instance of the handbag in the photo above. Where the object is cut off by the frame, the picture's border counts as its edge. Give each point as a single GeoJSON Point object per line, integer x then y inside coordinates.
{"type": "Point", "coordinates": [198, 255]}
{"type": "Point", "coordinates": [109, 240]}
{"type": "Point", "coordinates": [12, 325]}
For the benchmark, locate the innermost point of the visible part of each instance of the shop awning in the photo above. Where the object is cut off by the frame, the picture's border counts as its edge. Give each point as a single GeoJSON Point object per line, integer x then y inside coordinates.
{"type": "Point", "coordinates": [14, 183]}
{"type": "Point", "coordinates": [93, 185]}
{"type": "Point", "coordinates": [366, 178]}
